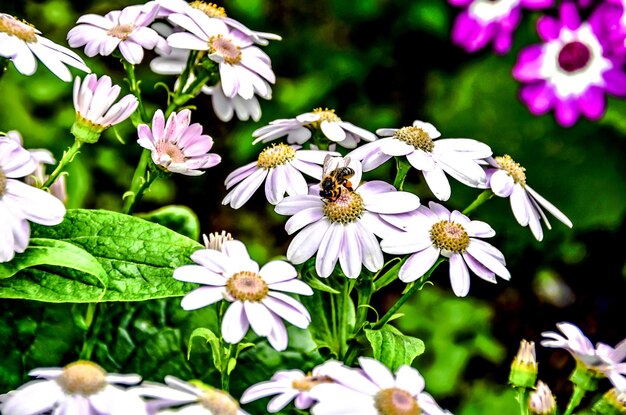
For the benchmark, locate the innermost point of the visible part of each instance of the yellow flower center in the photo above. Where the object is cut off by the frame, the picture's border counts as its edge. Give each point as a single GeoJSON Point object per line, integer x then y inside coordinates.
{"type": "Point", "coordinates": [416, 137]}
{"type": "Point", "coordinates": [3, 183]}
{"type": "Point", "coordinates": [82, 378]}
{"type": "Point", "coordinates": [325, 115]}
{"type": "Point", "coordinates": [275, 155]}
{"type": "Point", "coordinates": [449, 236]}
{"type": "Point", "coordinates": [121, 31]}
{"type": "Point", "coordinates": [394, 401]}
{"type": "Point", "coordinates": [210, 9]}
{"type": "Point", "coordinates": [514, 169]}
{"type": "Point", "coordinates": [218, 402]}
{"type": "Point", "coordinates": [20, 29]}
{"type": "Point", "coordinates": [348, 207]}
{"type": "Point", "coordinates": [247, 286]}
{"type": "Point", "coordinates": [306, 383]}
{"type": "Point", "coordinates": [230, 52]}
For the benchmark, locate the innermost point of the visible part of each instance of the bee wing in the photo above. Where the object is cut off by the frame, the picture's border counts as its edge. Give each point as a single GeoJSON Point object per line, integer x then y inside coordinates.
{"type": "Point", "coordinates": [330, 164]}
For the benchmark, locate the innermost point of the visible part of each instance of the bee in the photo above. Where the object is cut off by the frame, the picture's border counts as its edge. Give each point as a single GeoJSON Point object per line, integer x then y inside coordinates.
{"type": "Point", "coordinates": [333, 180]}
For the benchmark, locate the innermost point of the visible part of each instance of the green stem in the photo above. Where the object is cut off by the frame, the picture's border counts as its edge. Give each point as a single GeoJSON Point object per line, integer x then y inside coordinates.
{"type": "Point", "coordinates": [68, 157]}
{"type": "Point", "coordinates": [403, 299]}
{"type": "Point", "coordinates": [225, 375]}
{"type": "Point", "coordinates": [365, 289]}
{"type": "Point", "coordinates": [342, 319]}
{"type": "Point", "coordinates": [180, 99]}
{"type": "Point", "coordinates": [94, 323]}
{"type": "Point", "coordinates": [575, 399]}
{"type": "Point", "coordinates": [480, 199]}
{"type": "Point", "coordinates": [138, 185]}
{"type": "Point", "coordinates": [140, 115]}
{"type": "Point", "coordinates": [522, 398]}
{"type": "Point", "coordinates": [402, 169]}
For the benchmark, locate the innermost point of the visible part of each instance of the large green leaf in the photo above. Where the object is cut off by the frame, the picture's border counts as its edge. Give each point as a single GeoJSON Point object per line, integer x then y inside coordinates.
{"type": "Point", "coordinates": [138, 256]}
{"type": "Point", "coordinates": [393, 348]}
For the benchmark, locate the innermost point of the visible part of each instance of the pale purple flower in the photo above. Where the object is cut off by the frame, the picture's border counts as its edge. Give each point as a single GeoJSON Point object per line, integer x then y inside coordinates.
{"type": "Point", "coordinates": [569, 72]}
{"type": "Point", "coordinates": [508, 179]}
{"type": "Point", "coordinates": [290, 385]}
{"type": "Point", "coordinates": [345, 228]}
{"type": "Point", "coordinates": [435, 157]}
{"type": "Point", "coordinates": [361, 391]}
{"type": "Point", "coordinates": [38, 177]}
{"type": "Point", "coordinates": [177, 146]}
{"type": "Point", "coordinates": [211, 10]}
{"type": "Point", "coordinates": [256, 295]}
{"type": "Point", "coordinates": [603, 359]}
{"type": "Point", "coordinates": [20, 42]}
{"type": "Point", "coordinates": [320, 121]}
{"type": "Point", "coordinates": [435, 231]}
{"type": "Point", "coordinates": [281, 167]}
{"type": "Point", "coordinates": [541, 400]}
{"type": "Point", "coordinates": [126, 30]}
{"type": "Point", "coordinates": [187, 398]}
{"type": "Point", "coordinates": [81, 387]}
{"type": "Point", "coordinates": [244, 69]}
{"type": "Point", "coordinates": [21, 203]}
{"type": "Point", "coordinates": [94, 102]}
{"type": "Point", "coordinates": [485, 21]}
{"type": "Point", "coordinates": [610, 18]}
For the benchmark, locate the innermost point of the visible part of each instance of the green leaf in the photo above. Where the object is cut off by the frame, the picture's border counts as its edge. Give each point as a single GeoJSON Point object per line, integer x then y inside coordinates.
{"type": "Point", "coordinates": [393, 348]}
{"type": "Point", "coordinates": [138, 256]}
{"type": "Point", "coordinates": [43, 251]}
{"type": "Point", "coordinates": [212, 339]}
{"type": "Point", "coordinates": [178, 218]}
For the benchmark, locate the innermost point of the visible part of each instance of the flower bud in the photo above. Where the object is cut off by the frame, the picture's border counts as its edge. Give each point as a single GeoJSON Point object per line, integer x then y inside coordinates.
{"type": "Point", "coordinates": [541, 401]}
{"type": "Point", "coordinates": [612, 403]}
{"type": "Point", "coordinates": [524, 367]}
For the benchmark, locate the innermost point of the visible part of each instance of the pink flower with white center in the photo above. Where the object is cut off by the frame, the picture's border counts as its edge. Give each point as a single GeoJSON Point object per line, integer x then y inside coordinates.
{"type": "Point", "coordinates": [82, 387]}
{"type": "Point", "coordinates": [281, 167]}
{"type": "Point", "coordinates": [485, 21]}
{"type": "Point", "coordinates": [169, 7]}
{"type": "Point", "coordinates": [321, 121]}
{"type": "Point", "coordinates": [373, 390]}
{"type": "Point", "coordinates": [457, 157]}
{"type": "Point", "coordinates": [290, 385]}
{"type": "Point", "coordinates": [344, 229]}
{"type": "Point", "coordinates": [21, 203]}
{"type": "Point", "coordinates": [177, 146]}
{"type": "Point", "coordinates": [256, 295]}
{"type": "Point", "coordinates": [244, 69]}
{"type": "Point", "coordinates": [94, 102]}
{"type": "Point", "coordinates": [603, 360]}
{"type": "Point", "coordinates": [125, 29]}
{"type": "Point", "coordinates": [189, 398]}
{"type": "Point", "coordinates": [569, 72]}
{"type": "Point", "coordinates": [435, 231]}
{"type": "Point", "coordinates": [20, 42]}
{"type": "Point", "coordinates": [508, 179]}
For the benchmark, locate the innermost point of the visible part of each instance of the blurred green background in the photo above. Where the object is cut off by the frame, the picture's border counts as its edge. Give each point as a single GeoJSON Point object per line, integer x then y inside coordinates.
{"type": "Point", "coordinates": [378, 63]}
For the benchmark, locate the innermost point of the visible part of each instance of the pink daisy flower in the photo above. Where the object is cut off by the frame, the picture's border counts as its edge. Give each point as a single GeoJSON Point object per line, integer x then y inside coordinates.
{"type": "Point", "coordinates": [435, 231]}
{"type": "Point", "coordinates": [256, 295]}
{"type": "Point", "coordinates": [344, 229]}
{"type": "Point", "coordinates": [177, 146]}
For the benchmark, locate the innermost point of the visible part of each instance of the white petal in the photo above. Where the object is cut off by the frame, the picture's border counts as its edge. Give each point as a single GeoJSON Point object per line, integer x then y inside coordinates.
{"type": "Point", "coordinates": [235, 324]}
{"type": "Point", "coordinates": [459, 276]}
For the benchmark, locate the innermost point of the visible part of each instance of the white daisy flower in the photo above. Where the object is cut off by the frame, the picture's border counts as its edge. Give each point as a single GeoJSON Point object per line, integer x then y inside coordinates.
{"type": "Point", "coordinates": [21, 203]}
{"type": "Point", "coordinates": [458, 157]}
{"type": "Point", "coordinates": [188, 398]}
{"type": "Point", "coordinates": [344, 227]}
{"type": "Point", "coordinates": [256, 295]}
{"type": "Point", "coordinates": [290, 385]}
{"type": "Point", "coordinates": [281, 167]}
{"type": "Point", "coordinates": [20, 42]}
{"type": "Point", "coordinates": [81, 387]}
{"type": "Point", "coordinates": [435, 232]}
{"type": "Point", "coordinates": [300, 129]}
{"type": "Point", "coordinates": [506, 178]}
{"type": "Point", "coordinates": [374, 390]}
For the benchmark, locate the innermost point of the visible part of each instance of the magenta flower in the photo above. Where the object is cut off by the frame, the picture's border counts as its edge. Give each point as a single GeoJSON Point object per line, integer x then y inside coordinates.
{"type": "Point", "coordinates": [485, 21]}
{"type": "Point", "coordinates": [603, 359]}
{"type": "Point", "coordinates": [431, 233]}
{"type": "Point", "coordinates": [178, 147]}
{"type": "Point", "coordinates": [125, 29]}
{"type": "Point", "coordinates": [570, 71]}
{"type": "Point", "coordinates": [344, 229]}
{"type": "Point", "coordinates": [256, 295]}
{"type": "Point", "coordinates": [19, 202]}
{"type": "Point", "coordinates": [21, 43]}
